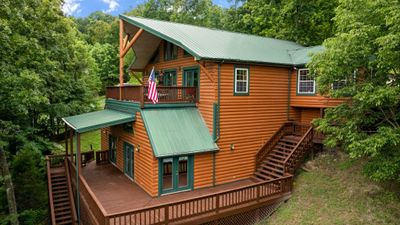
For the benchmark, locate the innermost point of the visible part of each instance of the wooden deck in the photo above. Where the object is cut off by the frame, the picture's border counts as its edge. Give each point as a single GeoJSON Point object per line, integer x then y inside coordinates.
{"type": "Point", "coordinates": [117, 193]}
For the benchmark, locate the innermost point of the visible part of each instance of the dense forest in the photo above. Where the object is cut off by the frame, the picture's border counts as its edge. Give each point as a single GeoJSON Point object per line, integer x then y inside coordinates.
{"type": "Point", "coordinates": [52, 66]}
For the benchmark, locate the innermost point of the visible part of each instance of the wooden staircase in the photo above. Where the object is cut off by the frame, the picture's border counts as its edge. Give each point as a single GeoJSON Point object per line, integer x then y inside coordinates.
{"type": "Point", "coordinates": [282, 154]}
{"type": "Point", "coordinates": [62, 207]}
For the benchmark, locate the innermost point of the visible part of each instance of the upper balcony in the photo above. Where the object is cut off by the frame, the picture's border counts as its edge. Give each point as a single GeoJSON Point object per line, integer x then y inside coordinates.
{"type": "Point", "coordinates": [166, 95]}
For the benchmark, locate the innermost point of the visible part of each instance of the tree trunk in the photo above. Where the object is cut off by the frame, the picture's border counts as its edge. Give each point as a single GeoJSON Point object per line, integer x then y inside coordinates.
{"type": "Point", "coordinates": [12, 205]}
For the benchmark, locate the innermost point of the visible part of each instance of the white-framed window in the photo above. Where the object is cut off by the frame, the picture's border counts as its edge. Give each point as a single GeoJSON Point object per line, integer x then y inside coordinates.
{"type": "Point", "coordinates": [305, 83]}
{"type": "Point", "coordinates": [241, 81]}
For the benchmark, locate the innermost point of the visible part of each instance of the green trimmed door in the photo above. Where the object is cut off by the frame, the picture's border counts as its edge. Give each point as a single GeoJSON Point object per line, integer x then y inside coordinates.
{"type": "Point", "coordinates": [175, 174]}
{"type": "Point", "coordinates": [191, 77]}
{"type": "Point", "coordinates": [128, 159]}
{"type": "Point", "coordinates": [112, 146]}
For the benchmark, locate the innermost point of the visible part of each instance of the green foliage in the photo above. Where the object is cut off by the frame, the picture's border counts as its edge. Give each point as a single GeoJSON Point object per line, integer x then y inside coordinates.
{"type": "Point", "coordinates": [195, 12]}
{"type": "Point", "coordinates": [107, 58]}
{"type": "Point", "coordinates": [364, 53]}
{"type": "Point", "coordinates": [305, 22]}
{"type": "Point", "coordinates": [29, 178]}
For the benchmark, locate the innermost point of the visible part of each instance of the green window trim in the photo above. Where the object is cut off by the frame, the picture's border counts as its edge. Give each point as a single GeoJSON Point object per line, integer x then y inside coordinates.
{"type": "Point", "coordinates": [298, 83]}
{"type": "Point", "coordinates": [184, 78]}
{"type": "Point", "coordinates": [112, 146]}
{"type": "Point", "coordinates": [175, 166]}
{"type": "Point", "coordinates": [236, 69]}
{"type": "Point", "coordinates": [170, 51]}
{"type": "Point", "coordinates": [129, 170]}
{"type": "Point", "coordinates": [169, 82]}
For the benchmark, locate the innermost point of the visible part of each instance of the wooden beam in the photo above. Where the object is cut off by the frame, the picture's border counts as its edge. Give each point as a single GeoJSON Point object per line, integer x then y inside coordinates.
{"type": "Point", "coordinates": [204, 69]}
{"type": "Point", "coordinates": [131, 42]}
{"type": "Point", "coordinates": [136, 77]}
{"type": "Point", "coordinates": [121, 59]}
{"type": "Point", "coordinates": [71, 139]}
{"type": "Point", "coordinates": [126, 38]}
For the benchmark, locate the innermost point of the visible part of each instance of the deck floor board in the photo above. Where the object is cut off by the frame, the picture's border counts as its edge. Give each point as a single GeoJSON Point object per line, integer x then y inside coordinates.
{"type": "Point", "coordinates": [117, 193]}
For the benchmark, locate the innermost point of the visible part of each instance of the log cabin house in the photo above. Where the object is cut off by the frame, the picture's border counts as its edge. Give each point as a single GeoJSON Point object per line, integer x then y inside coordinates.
{"type": "Point", "coordinates": [231, 126]}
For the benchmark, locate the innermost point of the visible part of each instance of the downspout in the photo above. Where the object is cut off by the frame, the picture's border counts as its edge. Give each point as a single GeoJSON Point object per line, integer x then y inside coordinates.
{"type": "Point", "coordinates": [218, 116]}
{"type": "Point", "coordinates": [289, 84]}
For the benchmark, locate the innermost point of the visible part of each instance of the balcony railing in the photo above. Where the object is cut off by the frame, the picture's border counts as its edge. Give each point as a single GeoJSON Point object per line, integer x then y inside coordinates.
{"type": "Point", "coordinates": [165, 94]}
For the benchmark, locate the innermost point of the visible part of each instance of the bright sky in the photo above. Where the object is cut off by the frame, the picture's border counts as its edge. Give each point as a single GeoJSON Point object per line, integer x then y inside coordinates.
{"type": "Point", "coordinates": [81, 8]}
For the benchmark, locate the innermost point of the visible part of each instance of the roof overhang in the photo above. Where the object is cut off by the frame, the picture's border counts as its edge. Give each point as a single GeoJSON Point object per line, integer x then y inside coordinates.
{"type": "Point", "coordinates": [99, 119]}
{"type": "Point", "coordinates": [177, 131]}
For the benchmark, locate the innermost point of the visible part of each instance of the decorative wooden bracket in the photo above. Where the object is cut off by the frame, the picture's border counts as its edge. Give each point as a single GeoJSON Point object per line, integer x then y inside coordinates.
{"type": "Point", "coordinates": [203, 68]}
{"type": "Point", "coordinates": [136, 77]}
{"type": "Point", "coordinates": [130, 43]}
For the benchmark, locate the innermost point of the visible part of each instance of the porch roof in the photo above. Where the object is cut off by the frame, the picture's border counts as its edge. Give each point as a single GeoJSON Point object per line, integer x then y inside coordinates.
{"type": "Point", "coordinates": [177, 131]}
{"type": "Point", "coordinates": [99, 119]}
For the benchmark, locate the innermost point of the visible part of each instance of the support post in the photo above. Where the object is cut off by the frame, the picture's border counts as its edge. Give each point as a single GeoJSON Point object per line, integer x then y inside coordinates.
{"type": "Point", "coordinates": [78, 171]}
{"type": "Point", "coordinates": [66, 140]}
{"type": "Point", "coordinates": [121, 58]}
{"type": "Point", "coordinates": [71, 139]}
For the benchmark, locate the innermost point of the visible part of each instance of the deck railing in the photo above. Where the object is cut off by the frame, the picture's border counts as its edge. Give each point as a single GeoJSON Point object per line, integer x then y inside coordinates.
{"type": "Point", "coordinates": [102, 156]}
{"type": "Point", "coordinates": [91, 210]}
{"type": "Point", "coordinates": [49, 188]}
{"type": "Point", "coordinates": [165, 94]}
{"type": "Point", "coordinates": [299, 151]}
{"type": "Point", "coordinates": [208, 205]}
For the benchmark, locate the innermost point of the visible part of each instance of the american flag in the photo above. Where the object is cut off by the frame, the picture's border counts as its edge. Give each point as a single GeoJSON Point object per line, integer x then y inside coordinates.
{"type": "Point", "coordinates": [153, 94]}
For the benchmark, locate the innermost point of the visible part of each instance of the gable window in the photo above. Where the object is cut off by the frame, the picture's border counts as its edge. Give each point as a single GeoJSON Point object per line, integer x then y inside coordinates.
{"type": "Point", "coordinates": [241, 81]}
{"type": "Point", "coordinates": [305, 83]}
{"type": "Point", "coordinates": [170, 51]}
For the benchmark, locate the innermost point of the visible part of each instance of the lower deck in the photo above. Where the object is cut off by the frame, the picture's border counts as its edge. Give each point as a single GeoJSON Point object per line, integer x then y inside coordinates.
{"type": "Point", "coordinates": [118, 193]}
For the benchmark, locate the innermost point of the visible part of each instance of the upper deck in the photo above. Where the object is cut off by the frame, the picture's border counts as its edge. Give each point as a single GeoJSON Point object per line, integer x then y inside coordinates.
{"type": "Point", "coordinates": [166, 94]}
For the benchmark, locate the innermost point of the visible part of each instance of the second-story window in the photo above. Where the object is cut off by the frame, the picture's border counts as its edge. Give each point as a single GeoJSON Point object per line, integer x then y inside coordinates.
{"type": "Point", "coordinates": [241, 81]}
{"type": "Point", "coordinates": [305, 83]}
{"type": "Point", "coordinates": [170, 51]}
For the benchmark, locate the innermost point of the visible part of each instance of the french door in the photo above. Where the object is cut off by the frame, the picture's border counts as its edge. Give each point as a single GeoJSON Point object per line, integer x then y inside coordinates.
{"type": "Point", "coordinates": [112, 147]}
{"type": "Point", "coordinates": [175, 174]}
{"type": "Point", "coordinates": [128, 160]}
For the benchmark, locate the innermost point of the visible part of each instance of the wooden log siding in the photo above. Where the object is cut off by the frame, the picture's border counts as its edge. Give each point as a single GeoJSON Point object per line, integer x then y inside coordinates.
{"type": "Point", "coordinates": [145, 164]}
{"type": "Point", "coordinates": [316, 100]}
{"type": "Point", "coordinates": [308, 114]}
{"type": "Point", "coordinates": [247, 122]}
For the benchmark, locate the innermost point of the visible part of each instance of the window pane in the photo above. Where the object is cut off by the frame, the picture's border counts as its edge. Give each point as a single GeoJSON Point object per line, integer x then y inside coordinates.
{"type": "Point", "coordinates": [241, 77]}
{"type": "Point", "coordinates": [183, 171]}
{"type": "Point", "coordinates": [167, 174]}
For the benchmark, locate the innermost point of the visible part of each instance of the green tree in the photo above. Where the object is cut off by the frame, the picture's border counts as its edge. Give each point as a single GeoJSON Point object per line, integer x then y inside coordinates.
{"type": "Point", "coordinates": [365, 54]}
{"type": "Point", "coordinates": [107, 58]}
{"type": "Point", "coordinates": [305, 22]}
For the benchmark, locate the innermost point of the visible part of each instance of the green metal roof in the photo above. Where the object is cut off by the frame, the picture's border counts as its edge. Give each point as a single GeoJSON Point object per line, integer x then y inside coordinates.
{"type": "Point", "coordinates": [213, 44]}
{"type": "Point", "coordinates": [177, 131]}
{"type": "Point", "coordinates": [99, 119]}
{"type": "Point", "coordinates": [302, 56]}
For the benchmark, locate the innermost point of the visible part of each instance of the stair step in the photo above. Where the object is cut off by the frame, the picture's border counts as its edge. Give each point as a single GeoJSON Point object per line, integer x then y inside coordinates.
{"type": "Point", "coordinates": [271, 174]}
{"type": "Point", "coordinates": [68, 217]}
{"type": "Point", "coordinates": [64, 208]}
{"type": "Point", "coordinates": [289, 140]}
{"type": "Point", "coordinates": [271, 163]}
{"type": "Point", "coordinates": [61, 191]}
{"type": "Point", "coordinates": [280, 147]}
{"type": "Point", "coordinates": [279, 161]}
{"type": "Point", "coordinates": [59, 187]}
{"type": "Point", "coordinates": [263, 176]}
{"type": "Point", "coordinates": [270, 168]}
{"type": "Point", "coordinates": [62, 213]}
{"type": "Point", "coordinates": [284, 154]}
{"type": "Point", "coordinates": [256, 179]}
{"type": "Point", "coordinates": [277, 156]}
{"type": "Point", "coordinates": [64, 222]}
{"type": "Point", "coordinates": [61, 195]}
{"type": "Point", "coordinates": [61, 204]}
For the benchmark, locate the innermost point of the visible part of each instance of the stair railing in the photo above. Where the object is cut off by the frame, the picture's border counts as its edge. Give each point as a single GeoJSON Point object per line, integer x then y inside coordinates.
{"type": "Point", "coordinates": [298, 152]}
{"type": "Point", "coordinates": [70, 194]}
{"type": "Point", "coordinates": [51, 201]}
{"type": "Point", "coordinates": [286, 128]}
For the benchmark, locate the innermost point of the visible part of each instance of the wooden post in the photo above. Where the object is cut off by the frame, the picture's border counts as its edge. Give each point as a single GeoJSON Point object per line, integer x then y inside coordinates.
{"type": "Point", "coordinates": [121, 58]}
{"type": "Point", "coordinates": [71, 139]}
{"type": "Point", "coordinates": [141, 96]}
{"type": "Point", "coordinates": [66, 140]}
{"type": "Point", "coordinates": [78, 173]}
